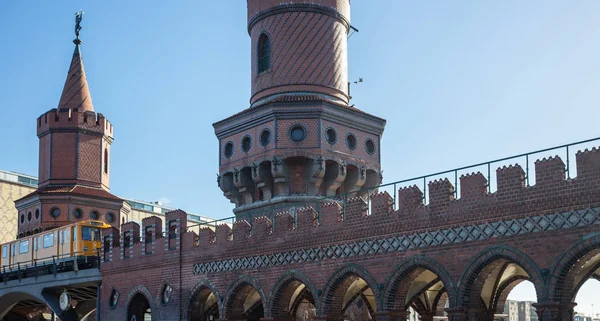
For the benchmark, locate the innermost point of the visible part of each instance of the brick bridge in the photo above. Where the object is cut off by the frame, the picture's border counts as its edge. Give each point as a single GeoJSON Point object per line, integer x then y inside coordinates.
{"type": "Point", "coordinates": [457, 257]}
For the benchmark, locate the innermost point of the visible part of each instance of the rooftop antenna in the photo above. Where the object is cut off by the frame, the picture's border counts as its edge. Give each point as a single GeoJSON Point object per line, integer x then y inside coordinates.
{"type": "Point", "coordinates": [353, 30]}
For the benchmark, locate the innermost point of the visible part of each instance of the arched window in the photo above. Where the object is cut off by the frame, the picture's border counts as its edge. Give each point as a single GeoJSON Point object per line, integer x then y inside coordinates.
{"type": "Point", "coordinates": [264, 53]}
{"type": "Point", "coordinates": [106, 161]}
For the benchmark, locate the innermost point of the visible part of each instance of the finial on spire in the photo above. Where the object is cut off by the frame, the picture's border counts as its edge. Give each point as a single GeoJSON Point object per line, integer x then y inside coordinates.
{"type": "Point", "coordinates": [78, 18]}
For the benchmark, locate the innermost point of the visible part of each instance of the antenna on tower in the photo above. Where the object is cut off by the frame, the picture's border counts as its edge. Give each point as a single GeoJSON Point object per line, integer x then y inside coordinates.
{"type": "Point", "coordinates": [354, 30]}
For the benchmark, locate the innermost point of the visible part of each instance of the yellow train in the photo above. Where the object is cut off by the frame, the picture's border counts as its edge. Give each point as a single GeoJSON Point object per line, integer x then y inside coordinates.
{"type": "Point", "coordinates": [78, 239]}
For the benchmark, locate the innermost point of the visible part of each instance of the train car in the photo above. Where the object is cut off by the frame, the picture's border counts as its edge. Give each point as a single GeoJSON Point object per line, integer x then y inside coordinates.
{"type": "Point", "coordinates": [79, 239]}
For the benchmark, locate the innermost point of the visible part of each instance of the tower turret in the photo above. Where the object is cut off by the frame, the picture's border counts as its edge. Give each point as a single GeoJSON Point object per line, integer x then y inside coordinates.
{"type": "Point", "coordinates": [74, 160]}
{"type": "Point", "coordinates": [299, 140]}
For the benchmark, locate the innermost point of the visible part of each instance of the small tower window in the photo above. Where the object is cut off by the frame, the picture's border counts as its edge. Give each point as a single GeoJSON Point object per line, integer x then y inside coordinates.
{"type": "Point", "coordinates": [264, 53]}
{"type": "Point", "coordinates": [106, 161]}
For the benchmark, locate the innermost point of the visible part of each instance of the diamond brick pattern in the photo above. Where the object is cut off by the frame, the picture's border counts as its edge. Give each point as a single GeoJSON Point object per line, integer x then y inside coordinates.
{"type": "Point", "coordinates": [532, 224]}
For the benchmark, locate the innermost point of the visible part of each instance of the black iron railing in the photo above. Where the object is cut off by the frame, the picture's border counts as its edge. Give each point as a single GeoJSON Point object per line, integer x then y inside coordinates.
{"type": "Point", "coordinates": [565, 150]}
{"type": "Point", "coordinates": [53, 265]}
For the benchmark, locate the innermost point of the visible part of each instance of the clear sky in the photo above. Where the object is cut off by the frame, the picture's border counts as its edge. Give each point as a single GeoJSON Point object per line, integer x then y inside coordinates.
{"type": "Point", "coordinates": [459, 82]}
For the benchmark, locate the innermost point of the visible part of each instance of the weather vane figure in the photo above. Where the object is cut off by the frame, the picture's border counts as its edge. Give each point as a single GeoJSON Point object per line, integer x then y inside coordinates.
{"type": "Point", "coordinates": [78, 17]}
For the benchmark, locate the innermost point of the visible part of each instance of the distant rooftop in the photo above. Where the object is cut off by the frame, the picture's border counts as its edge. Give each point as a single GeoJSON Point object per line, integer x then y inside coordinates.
{"type": "Point", "coordinates": [152, 207]}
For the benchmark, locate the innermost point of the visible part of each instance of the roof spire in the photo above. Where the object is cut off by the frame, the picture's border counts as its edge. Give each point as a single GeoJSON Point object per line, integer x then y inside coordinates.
{"type": "Point", "coordinates": [76, 94]}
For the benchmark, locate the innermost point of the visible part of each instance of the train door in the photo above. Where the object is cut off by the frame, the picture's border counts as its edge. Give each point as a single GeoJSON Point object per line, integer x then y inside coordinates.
{"type": "Point", "coordinates": [63, 243]}
{"type": "Point", "coordinates": [36, 247]}
{"type": "Point", "coordinates": [13, 253]}
{"type": "Point", "coordinates": [4, 257]}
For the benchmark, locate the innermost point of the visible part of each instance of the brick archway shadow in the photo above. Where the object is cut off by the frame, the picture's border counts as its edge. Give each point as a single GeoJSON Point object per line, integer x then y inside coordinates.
{"type": "Point", "coordinates": [140, 289]}
{"type": "Point", "coordinates": [202, 284]}
{"type": "Point", "coordinates": [407, 267]}
{"type": "Point", "coordinates": [563, 267]}
{"type": "Point", "coordinates": [489, 255]}
{"type": "Point", "coordinates": [233, 291]}
{"type": "Point", "coordinates": [279, 287]}
{"type": "Point", "coordinates": [337, 278]}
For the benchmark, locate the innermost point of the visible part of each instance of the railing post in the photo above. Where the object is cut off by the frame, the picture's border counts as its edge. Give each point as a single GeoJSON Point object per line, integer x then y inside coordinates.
{"type": "Point", "coordinates": [75, 264]}
{"type": "Point", "coordinates": [19, 272]}
{"type": "Point", "coordinates": [35, 268]}
{"type": "Point", "coordinates": [54, 265]}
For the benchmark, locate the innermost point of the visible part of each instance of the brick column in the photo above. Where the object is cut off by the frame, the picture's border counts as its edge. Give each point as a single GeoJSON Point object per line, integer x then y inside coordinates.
{"type": "Point", "coordinates": [555, 311]}
{"type": "Point", "coordinates": [391, 316]}
{"type": "Point", "coordinates": [457, 314]}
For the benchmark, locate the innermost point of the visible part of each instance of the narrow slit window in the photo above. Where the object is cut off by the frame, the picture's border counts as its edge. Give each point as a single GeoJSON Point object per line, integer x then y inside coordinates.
{"type": "Point", "coordinates": [264, 53]}
{"type": "Point", "coordinates": [105, 161]}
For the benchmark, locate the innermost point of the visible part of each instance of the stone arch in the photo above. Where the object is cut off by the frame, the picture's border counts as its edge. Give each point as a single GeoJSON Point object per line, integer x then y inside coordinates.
{"type": "Point", "coordinates": [9, 300]}
{"type": "Point", "coordinates": [238, 293]}
{"type": "Point", "coordinates": [412, 270]}
{"type": "Point", "coordinates": [339, 283]}
{"type": "Point", "coordinates": [143, 291]}
{"type": "Point", "coordinates": [284, 290]}
{"type": "Point", "coordinates": [573, 268]}
{"type": "Point", "coordinates": [494, 260]}
{"type": "Point", "coordinates": [203, 288]}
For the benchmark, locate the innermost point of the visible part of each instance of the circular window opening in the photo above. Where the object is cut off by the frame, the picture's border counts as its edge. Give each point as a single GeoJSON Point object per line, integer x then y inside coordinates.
{"type": "Point", "coordinates": [110, 217]}
{"type": "Point", "coordinates": [246, 144]}
{"type": "Point", "coordinates": [37, 214]}
{"type": "Point", "coordinates": [94, 215]}
{"type": "Point", "coordinates": [228, 149]}
{"type": "Point", "coordinates": [370, 146]}
{"type": "Point", "coordinates": [55, 212]}
{"type": "Point", "coordinates": [351, 141]}
{"type": "Point", "coordinates": [77, 213]}
{"type": "Point", "coordinates": [22, 218]}
{"type": "Point", "coordinates": [29, 216]}
{"type": "Point", "coordinates": [331, 136]}
{"type": "Point", "coordinates": [297, 133]}
{"type": "Point", "coordinates": [265, 137]}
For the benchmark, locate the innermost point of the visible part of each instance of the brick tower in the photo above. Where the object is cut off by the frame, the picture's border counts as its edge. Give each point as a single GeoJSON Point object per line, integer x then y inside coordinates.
{"type": "Point", "coordinates": [74, 161]}
{"type": "Point", "coordinates": [300, 139]}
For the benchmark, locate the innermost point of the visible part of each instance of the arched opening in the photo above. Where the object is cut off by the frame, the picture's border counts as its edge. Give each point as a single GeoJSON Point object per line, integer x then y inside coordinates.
{"type": "Point", "coordinates": [293, 299]}
{"type": "Point", "coordinates": [495, 273]}
{"type": "Point", "coordinates": [203, 305]}
{"type": "Point", "coordinates": [139, 309]}
{"type": "Point", "coordinates": [264, 53]}
{"type": "Point", "coordinates": [575, 281]}
{"type": "Point", "coordinates": [106, 161]}
{"type": "Point", "coordinates": [519, 302]}
{"type": "Point", "coordinates": [419, 288]}
{"type": "Point", "coordinates": [350, 296]}
{"type": "Point", "coordinates": [19, 306]}
{"type": "Point", "coordinates": [245, 303]}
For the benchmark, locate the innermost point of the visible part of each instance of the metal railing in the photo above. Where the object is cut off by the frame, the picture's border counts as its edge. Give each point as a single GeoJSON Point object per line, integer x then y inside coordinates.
{"type": "Point", "coordinates": [452, 175]}
{"type": "Point", "coordinates": [53, 265]}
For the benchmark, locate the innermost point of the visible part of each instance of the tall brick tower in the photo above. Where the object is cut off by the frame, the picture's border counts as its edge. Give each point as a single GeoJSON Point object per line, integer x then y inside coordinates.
{"type": "Point", "coordinates": [74, 161]}
{"type": "Point", "coordinates": [300, 139]}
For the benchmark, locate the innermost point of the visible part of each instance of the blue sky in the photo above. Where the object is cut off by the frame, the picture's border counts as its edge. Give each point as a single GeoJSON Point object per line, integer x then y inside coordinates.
{"type": "Point", "coordinates": [459, 82]}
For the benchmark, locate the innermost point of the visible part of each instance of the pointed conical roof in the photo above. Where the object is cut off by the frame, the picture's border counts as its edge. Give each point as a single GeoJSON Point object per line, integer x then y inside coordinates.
{"type": "Point", "coordinates": [76, 93]}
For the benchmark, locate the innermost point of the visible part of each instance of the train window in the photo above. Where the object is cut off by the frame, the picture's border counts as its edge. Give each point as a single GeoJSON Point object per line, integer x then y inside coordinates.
{"type": "Point", "coordinates": [86, 233]}
{"type": "Point", "coordinates": [48, 240]}
{"type": "Point", "coordinates": [23, 246]}
{"type": "Point", "coordinates": [4, 251]}
{"type": "Point", "coordinates": [96, 232]}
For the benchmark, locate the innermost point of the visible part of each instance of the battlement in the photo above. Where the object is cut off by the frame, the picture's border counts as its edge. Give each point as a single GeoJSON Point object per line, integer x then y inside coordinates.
{"type": "Point", "coordinates": [402, 213]}
{"type": "Point", "coordinates": [256, 7]}
{"type": "Point", "coordinates": [71, 119]}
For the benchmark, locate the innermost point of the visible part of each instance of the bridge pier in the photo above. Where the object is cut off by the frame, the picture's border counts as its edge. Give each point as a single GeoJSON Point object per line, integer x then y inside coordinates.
{"type": "Point", "coordinates": [52, 301]}
{"type": "Point", "coordinates": [555, 311]}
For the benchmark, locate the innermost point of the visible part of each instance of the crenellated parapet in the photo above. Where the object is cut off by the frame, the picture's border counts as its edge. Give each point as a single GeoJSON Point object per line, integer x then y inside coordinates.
{"type": "Point", "coordinates": [404, 214]}
{"type": "Point", "coordinates": [84, 121]}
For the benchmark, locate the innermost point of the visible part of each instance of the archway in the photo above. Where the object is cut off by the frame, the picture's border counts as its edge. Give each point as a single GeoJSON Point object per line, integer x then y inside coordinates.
{"type": "Point", "coordinates": [578, 266]}
{"type": "Point", "coordinates": [421, 285]}
{"type": "Point", "coordinates": [293, 298]}
{"type": "Point", "coordinates": [351, 294]}
{"type": "Point", "coordinates": [22, 306]}
{"type": "Point", "coordinates": [139, 309]}
{"type": "Point", "coordinates": [489, 279]}
{"type": "Point", "coordinates": [203, 304]}
{"type": "Point", "coordinates": [245, 300]}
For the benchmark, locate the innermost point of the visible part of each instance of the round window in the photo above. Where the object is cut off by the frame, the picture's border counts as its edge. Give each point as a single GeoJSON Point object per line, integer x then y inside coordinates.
{"type": "Point", "coordinates": [228, 149]}
{"type": "Point", "coordinates": [29, 216]}
{"type": "Point", "coordinates": [94, 215]}
{"type": "Point", "coordinates": [246, 144]}
{"type": "Point", "coordinates": [55, 212]}
{"type": "Point", "coordinates": [370, 146]}
{"type": "Point", "coordinates": [297, 133]}
{"type": "Point", "coordinates": [22, 218]}
{"type": "Point", "coordinates": [351, 141]}
{"type": "Point", "coordinates": [331, 136]}
{"type": "Point", "coordinates": [37, 214]}
{"type": "Point", "coordinates": [110, 217]}
{"type": "Point", "coordinates": [265, 137]}
{"type": "Point", "coordinates": [77, 213]}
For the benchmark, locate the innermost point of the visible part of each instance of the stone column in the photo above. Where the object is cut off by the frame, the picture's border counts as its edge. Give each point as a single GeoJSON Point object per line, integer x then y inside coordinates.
{"type": "Point", "coordinates": [555, 311]}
